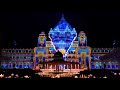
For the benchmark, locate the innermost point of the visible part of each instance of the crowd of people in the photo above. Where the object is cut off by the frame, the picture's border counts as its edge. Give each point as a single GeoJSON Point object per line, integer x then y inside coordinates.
{"type": "Point", "coordinates": [99, 73]}
{"type": "Point", "coordinates": [18, 73]}
{"type": "Point", "coordinates": [29, 73]}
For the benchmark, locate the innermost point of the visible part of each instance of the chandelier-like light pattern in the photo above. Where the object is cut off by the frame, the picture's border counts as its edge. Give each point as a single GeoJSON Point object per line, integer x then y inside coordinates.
{"type": "Point", "coordinates": [62, 35]}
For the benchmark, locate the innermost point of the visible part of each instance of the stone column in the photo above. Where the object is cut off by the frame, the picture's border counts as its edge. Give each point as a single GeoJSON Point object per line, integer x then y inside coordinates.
{"type": "Point", "coordinates": [76, 52]}
{"type": "Point", "coordinates": [71, 66]}
{"type": "Point", "coordinates": [75, 66]}
{"type": "Point", "coordinates": [78, 66]}
{"type": "Point", "coordinates": [47, 50]}
{"type": "Point", "coordinates": [55, 67]}
{"type": "Point", "coordinates": [51, 66]}
{"type": "Point", "coordinates": [67, 66]}
{"type": "Point", "coordinates": [47, 66]}
{"type": "Point", "coordinates": [89, 60]}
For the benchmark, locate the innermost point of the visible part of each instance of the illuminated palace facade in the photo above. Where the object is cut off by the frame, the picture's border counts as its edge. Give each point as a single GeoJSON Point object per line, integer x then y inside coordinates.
{"type": "Point", "coordinates": [65, 39]}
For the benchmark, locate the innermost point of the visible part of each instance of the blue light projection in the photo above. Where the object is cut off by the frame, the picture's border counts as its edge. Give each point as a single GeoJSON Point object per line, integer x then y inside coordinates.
{"type": "Point", "coordinates": [42, 40]}
{"type": "Point", "coordinates": [25, 66]}
{"type": "Point", "coordinates": [87, 61]}
{"type": "Point", "coordinates": [113, 66]}
{"type": "Point", "coordinates": [92, 66]}
{"type": "Point", "coordinates": [51, 48]}
{"type": "Point", "coordinates": [62, 67]}
{"type": "Point", "coordinates": [96, 66]}
{"type": "Point", "coordinates": [108, 65]}
{"type": "Point", "coordinates": [31, 66]}
{"type": "Point", "coordinates": [62, 35]}
{"type": "Point", "coordinates": [20, 66]}
{"type": "Point", "coordinates": [83, 50]}
{"type": "Point", "coordinates": [2, 65]}
{"type": "Point", "coordinates": [10, 66]}
{"type": "Point", "coordinates": [16, 66]}
{"type": "Point", "coordinates": [6, 66]}
{"type": "Point", "coordinates": [117, 66]}
{"type": "Point", "coordinates": [82, 39]}
{"type": "Point", "coordinates": [40, 50]}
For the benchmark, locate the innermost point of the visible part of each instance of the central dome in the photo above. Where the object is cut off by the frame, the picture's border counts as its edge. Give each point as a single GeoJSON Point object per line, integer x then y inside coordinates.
{"type": "Point", "coordinates": [62, 36]}
{"type": "Point", "coordinates": [62, 24]}
{"type": "Point", "coordinates": [58, 56]}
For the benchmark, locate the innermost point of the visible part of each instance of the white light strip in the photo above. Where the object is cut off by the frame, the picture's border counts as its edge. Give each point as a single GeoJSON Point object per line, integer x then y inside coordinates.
{"type": "Point", "coordinates": [52, 43]}
{"type": "Point", "coordinates": [71, 45]}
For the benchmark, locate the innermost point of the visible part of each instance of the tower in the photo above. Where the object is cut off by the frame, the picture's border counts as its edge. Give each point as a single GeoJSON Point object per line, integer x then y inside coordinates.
{"type": "Point", "coordinates": [84, 51]}
{"type": "Point", "coordinates": [82, 39]}
{"type": "Point", "coordinates": [40, 50]}
{"type": "Point", "coordinates": [42, 40]}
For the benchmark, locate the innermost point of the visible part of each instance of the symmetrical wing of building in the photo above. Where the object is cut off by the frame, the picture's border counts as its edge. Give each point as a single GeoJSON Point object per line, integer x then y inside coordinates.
{"type": "Point", "coordinates": [65, 39]}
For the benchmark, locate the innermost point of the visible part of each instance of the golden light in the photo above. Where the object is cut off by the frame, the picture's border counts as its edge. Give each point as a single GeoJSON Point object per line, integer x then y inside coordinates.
{"type": "Point", "coordinates": [37, 68]}
{"type": "Point", "coordinates": [1, 75]}
{"type": "Point", "coordinates": [26, 76]}
{"type": "Point", "coordinates": [76, 76]}
{"type": "Point", "coordinates": [62, 51]}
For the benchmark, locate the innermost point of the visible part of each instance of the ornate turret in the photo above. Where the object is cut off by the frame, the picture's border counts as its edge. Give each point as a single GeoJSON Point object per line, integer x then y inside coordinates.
{"type": "Point", "coordinates": [63, 24]}
{"type": "Point", "coordinates": [42, 39]}
{"type": "Point", "coordinates": [82, 38]}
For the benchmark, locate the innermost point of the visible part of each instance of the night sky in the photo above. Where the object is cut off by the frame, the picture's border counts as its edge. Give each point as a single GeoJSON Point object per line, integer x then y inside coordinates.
{"type": "Point", "coordinates": [101, 23]}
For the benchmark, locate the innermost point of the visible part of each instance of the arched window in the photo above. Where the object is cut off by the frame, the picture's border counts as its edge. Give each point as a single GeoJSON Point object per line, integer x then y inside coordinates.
{"type": "Point", "coordinates": [94, 50]}
{"type": "Point", "coordinates": [98, 50]}
{"type": "Point", "coordinates": [100, 65]}
{"type": "Point", "coordinates": [25, 65]}
{"type": "Point", "coordinates": [108, 65]}
{"type": "Point", "coordinates": [20, 65]}
{"type": "Point", "coordinates": [31, 66]}
{"type": "Point", "coordinates": [44, 58]}
{"type": "Point", "coordinates": [10, 65]}
{"type": "Point", "coordinates": [116, 66]}
{"type": "Point", "coordinates": [113, 66]}
{"type": "Point", "coordinates": [102, 50]}
{"type": "Point", "coordinates": [73, 57]}
{"type": "Point", "coordinates": [6, 66]}
{"type": "Point", "coordinates": [92, 58]}
{"type": "Point", "coordinates": [16, 50]}
{"type": "Point", "coordinates": [106, 50]}
{"type": "Point", "coordinates": [20, 51]}
{"type": "Point", "coordinates": [69, 56]}
{"type": "Point", "coordinates": [104, 65]}
{"type": "Point", "coordinates": [12, 50]}
{"type": "Point", "coordinates": [24, 57]}
{"type": "Point", "coordinates": [37, 60]}
{"type": "Point", "coordinates": [80, 59]}
{"type": "Point", "coordinates": [92, 66]}
{"type": "Point", "coordinates": [26, 50]}
{"type": "Point", "coordinates": [3, 66]}
{"type": "Point", "coordinates": [16, 66]}
{"type": "Point", "coordinates": [96, 66]}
